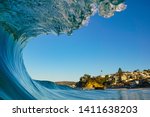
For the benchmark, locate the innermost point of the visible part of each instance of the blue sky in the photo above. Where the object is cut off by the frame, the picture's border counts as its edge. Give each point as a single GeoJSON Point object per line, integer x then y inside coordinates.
{"type": "Point", "coordinates": [105, 44]}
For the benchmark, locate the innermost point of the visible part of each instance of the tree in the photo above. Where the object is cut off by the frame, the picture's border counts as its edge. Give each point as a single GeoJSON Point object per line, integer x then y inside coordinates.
{"type": "Point", "coordinates": [85, 78]}
{"type": "Point", "coordinates": [120, 72]}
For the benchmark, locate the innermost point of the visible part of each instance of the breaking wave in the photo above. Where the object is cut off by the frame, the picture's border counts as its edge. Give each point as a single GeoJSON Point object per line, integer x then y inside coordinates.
{"type": "Point", "coordinates": [22, 20]}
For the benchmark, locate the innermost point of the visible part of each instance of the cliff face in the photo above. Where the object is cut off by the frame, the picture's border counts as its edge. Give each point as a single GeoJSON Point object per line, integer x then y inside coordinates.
{"type": "Point", "coordinates": [86, 82]}
{"type": "Point", "coordinates": [93, 84]}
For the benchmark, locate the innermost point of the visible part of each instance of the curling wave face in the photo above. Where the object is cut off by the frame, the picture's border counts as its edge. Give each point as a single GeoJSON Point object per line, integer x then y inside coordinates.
{"type": "Point", "coordinates": [21, 20]}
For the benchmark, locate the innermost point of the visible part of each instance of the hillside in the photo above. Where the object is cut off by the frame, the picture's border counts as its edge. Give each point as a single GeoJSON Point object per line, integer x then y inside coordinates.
{"type": "Point", "coordinates": [121, 79]}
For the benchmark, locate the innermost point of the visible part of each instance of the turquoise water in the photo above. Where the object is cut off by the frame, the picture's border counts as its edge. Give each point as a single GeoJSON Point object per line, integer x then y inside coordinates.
{"type": "Point", "coordinates": [21, 20]}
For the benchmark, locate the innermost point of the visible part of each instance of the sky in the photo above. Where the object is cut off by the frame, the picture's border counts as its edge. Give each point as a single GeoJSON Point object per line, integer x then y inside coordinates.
{"type": "Point", "coordinates": [105, 44]}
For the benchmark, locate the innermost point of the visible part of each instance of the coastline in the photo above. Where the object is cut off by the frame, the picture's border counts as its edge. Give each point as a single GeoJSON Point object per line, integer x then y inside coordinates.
{"type": "Point", "coordinates": [120, 79]}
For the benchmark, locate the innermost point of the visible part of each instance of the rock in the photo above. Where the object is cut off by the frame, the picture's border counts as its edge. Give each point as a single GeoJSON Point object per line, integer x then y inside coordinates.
{"type": "Point", "coordinates": [92, 84]}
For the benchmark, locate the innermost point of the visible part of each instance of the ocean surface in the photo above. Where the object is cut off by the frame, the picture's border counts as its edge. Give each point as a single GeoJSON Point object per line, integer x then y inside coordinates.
{"type": "Point", "coordinates": [22, 20]}
{"type": "Point", "coordinates": [109, 94]}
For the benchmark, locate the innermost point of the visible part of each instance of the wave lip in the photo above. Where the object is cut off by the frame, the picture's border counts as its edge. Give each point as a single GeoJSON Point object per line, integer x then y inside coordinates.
{"type": "Point", "coordinates": [20, 20]}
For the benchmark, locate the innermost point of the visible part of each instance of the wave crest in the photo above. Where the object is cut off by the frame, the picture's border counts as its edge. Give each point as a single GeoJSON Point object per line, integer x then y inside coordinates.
{"type": "Point", "coordinates": [21, 20]}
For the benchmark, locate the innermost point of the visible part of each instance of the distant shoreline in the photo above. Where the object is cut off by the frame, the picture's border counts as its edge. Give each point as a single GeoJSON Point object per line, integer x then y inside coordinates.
{"type": "Point", "coordinates": [120, 79]}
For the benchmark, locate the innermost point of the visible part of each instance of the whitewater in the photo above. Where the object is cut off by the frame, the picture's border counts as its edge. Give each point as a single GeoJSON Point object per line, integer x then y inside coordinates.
{"type": "Point", "coordinates": [23, 20]}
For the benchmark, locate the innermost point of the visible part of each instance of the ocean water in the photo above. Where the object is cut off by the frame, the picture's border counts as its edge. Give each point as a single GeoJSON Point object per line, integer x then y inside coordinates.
{"type": "Point", "coordinates": [21, 20]}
